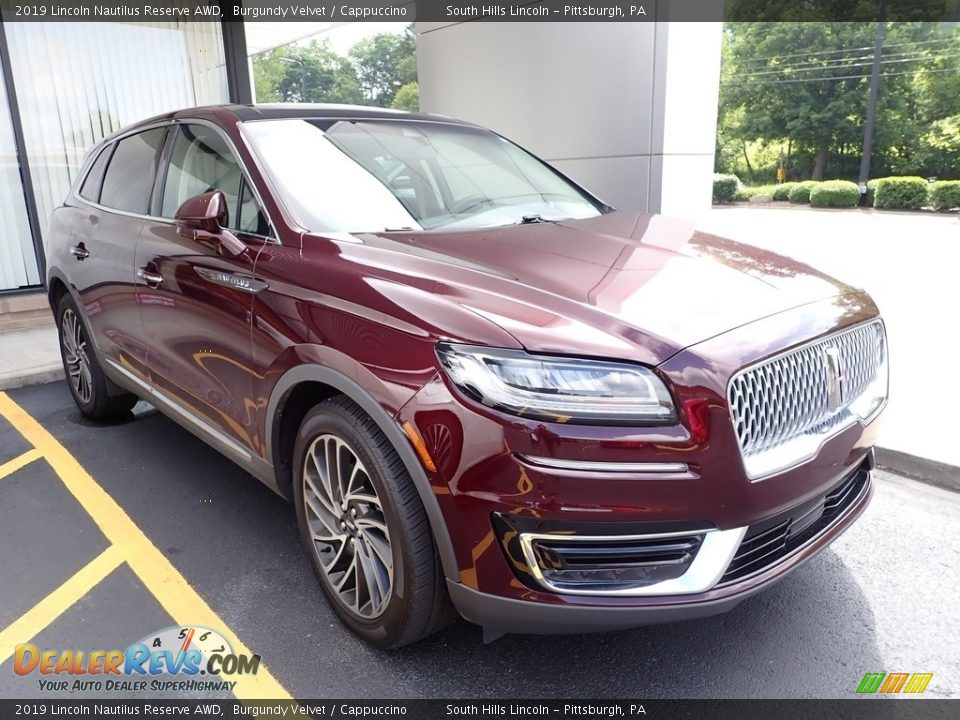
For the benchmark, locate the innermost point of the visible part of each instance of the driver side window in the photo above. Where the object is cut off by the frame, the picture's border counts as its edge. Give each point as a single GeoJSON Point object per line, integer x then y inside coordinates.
{"type": "Point", "coordinates": [201, 162]}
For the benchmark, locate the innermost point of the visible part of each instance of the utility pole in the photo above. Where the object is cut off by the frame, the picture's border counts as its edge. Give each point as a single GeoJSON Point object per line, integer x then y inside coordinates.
{"type": "Point", "coordinates": [872, 99]}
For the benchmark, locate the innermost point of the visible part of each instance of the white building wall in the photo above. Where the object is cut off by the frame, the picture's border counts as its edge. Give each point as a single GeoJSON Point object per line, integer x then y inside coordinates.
{"type": "Point", "coordinates": [626, 109]}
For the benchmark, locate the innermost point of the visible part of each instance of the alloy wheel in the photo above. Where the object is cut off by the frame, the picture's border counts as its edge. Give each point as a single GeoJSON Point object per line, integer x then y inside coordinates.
{"type": "Point", "coordinates": [347, 526]}
{"type": "Point", "coordinates": [74, 344]}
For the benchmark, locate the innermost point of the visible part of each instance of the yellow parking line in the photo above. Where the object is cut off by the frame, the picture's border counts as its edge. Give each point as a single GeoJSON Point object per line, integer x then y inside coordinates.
{"type": "Point", "coordinates": [34, 620]}
{"type": "Point", "coordinates": [11, 466]}
{"type": "Point", "coordinates": [152, 567]}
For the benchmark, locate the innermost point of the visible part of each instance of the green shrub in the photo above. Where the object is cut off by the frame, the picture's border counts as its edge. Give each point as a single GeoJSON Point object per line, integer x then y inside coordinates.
{"type": "Point", "coordinates": [800, 194]}
{"type": "Point", "coordinates": [901, 192]}
{"type": "Point", "coordinates": [725, 187]}
{"type": "Point", "coordinates": [835, 194]}
{"type": "Point", "coordinates": [782, 192]}
{"type": "Point", "coordinates": [945, 194]}
{"type": "Point", "coordinates": [871, 192]}
{"type": "Point", "coordinates": [746, 192]}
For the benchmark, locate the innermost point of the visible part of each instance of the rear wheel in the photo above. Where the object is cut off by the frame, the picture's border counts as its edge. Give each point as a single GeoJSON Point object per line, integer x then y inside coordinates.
{"type": "Point", "coordinates": [88, 385]}
{"type": "Point", "coordinates": [365, 529]}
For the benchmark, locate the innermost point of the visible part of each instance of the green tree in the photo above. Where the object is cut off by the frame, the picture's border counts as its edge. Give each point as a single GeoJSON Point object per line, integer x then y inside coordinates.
{"type": "Point", "coordinates": [306, 73]}
{"type": "Point", "coordinates": [804, 85]}
{"type": "Point", "coordinates": [407, 98]}
{"type": "Point", "coordinates": [384, 63]}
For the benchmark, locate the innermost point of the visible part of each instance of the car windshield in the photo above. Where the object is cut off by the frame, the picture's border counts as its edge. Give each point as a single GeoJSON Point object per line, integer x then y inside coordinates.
{"type": "Point", "coordinates": [381, 175]}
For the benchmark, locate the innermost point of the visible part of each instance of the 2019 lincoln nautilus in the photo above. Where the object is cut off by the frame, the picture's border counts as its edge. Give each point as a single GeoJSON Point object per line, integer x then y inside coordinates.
{"type": "Point", "coordinates": [485, 391]}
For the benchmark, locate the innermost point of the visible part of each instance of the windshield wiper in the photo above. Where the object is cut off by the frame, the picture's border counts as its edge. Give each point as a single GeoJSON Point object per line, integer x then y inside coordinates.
{"type": "Point", "coordinates": [530, 219]}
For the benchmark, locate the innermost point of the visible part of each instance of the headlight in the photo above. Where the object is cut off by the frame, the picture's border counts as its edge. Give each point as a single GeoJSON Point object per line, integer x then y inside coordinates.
{"type": "Point", "coordinates": [559, 389]}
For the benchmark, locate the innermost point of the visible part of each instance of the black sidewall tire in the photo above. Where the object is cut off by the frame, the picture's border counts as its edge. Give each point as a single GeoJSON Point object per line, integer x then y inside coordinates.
{"type": "Point", "coordinates": [98, 384]}
{"type": "Point", "coordinates": [101, 404]}
{"type": "Point", "coordinates": [386, 630]}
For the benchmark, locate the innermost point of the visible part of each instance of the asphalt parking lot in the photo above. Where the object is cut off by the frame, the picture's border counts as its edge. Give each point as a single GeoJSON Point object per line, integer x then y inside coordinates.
{"type": "Point", "coordinates": [110, 533]}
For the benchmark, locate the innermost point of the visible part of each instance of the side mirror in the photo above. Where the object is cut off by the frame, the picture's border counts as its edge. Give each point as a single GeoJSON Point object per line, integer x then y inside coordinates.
{"type": "Point", "coordinates": [203, 218]}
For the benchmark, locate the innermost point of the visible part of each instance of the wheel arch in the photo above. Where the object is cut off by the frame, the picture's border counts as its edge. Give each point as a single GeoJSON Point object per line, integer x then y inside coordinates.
{"type": "Point", "coordinates": [57, 287]}
{"type": "Point", "coordinates": [306, 385]}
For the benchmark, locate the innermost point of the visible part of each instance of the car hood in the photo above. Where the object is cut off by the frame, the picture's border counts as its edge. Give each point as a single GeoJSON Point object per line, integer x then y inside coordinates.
{"type": "Point", "coordinates": [624, 284]}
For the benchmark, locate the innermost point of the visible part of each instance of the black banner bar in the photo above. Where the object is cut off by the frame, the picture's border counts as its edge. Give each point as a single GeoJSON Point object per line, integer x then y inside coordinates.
{"type": "Point", "coordinates": [407, 11]}
{"type": "Point", "coordinates": [857, 709]}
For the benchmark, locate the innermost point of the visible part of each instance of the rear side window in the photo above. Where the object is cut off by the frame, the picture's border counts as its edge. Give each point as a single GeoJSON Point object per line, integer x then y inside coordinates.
{"type": "Point", "coordinates": [91, 185]}
{"type": "Point", "coordinates": [128, 182]}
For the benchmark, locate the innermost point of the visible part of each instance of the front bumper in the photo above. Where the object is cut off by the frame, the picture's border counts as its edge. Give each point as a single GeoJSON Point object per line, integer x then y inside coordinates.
{"type": "Point", "coordinates": [500, 615]}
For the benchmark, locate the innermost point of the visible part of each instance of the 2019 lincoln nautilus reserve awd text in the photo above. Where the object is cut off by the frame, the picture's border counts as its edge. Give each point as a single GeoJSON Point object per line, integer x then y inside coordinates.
{"type": "Point", "coordinates": [484, 390]}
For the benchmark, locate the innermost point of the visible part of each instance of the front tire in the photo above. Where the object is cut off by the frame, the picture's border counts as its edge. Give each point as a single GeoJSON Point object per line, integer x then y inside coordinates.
{"type": "Point", "coordinates": [87, 383]}
{"type": "Point", "coordinates": [365, 529]}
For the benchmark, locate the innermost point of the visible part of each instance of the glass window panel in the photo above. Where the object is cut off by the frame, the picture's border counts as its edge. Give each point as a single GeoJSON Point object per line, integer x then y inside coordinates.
{"type": "Point", "coordinates": [128, 183]}
{"type": "Point", "coordinates": [251, 218]}
{"type": "Point", "coordinates": [91, 184]}
{"type": "Point", "coordinates": [80, 81]}
{"type": "Point", "coordinates": [200, 162]}
{"type": "Point", "coordinates": [18, 262]}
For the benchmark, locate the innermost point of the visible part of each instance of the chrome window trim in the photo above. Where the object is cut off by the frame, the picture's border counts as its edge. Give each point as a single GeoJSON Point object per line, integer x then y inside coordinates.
{"type": "Point", "coordinates": [593, 466]}
{"type": "Point", "coordinates": [811, 443]}
{"type": "Point", "coordinates": [709, 564]}
{"type": "Point", "coordinates": [124, 213]}
{"type": "Point", "coordinates": [113, 139]}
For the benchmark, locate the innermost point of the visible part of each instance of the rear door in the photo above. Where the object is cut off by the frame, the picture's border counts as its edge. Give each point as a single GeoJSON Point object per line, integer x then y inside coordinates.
{"type": "Point", "coordinates": [196, 319]}
{"type": "Point", "coordinates": [114, 203]}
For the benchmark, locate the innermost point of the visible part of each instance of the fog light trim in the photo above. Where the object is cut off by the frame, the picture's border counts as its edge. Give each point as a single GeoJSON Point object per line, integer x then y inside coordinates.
{"type": "Point", "coordinates": [710, 563]}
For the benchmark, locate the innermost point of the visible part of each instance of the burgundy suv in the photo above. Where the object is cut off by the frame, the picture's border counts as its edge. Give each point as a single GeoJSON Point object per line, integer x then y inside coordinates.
{"type": "Point", "coordinates": [483, 388]}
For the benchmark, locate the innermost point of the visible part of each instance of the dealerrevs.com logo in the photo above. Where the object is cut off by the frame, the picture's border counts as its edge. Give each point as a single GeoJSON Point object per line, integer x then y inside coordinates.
{"type": "Point", "coordinates": [174, 659]}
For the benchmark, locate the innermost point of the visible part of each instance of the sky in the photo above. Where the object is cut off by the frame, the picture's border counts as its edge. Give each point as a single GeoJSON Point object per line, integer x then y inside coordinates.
{"type": "Point", "coordinates": [265, 35]}
{"type": "Point", "coordinates": [344, 37]}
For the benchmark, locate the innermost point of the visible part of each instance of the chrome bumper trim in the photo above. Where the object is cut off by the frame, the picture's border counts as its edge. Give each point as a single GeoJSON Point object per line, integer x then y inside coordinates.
{"type": "Point", "coordinates": [605, 467]}
{"type": "Point", "coordinates": [708, 566]}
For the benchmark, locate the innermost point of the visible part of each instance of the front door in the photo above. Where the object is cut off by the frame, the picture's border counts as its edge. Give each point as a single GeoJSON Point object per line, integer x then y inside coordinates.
{"type": "Point", "coordinates": [196, 317]}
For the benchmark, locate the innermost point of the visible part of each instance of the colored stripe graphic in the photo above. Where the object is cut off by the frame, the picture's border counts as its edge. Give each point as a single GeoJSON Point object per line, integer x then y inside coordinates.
{"type": "Point", "coordinates": [894, 682]}
{"type": "Point", "coordinates": [871, 682]}
{"type": "Point", "coordinates": [889, 684]}
{"type": "Point", "coordinates": [918, 682]}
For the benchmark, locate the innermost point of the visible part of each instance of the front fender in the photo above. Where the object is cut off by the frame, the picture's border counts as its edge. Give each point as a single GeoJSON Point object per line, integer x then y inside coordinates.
{"type": "Point", "coordinates": [344, 384]}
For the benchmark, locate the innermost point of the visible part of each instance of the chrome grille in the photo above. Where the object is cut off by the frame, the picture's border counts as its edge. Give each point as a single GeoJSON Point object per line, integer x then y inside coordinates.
{"type": "Point", "coordinates": [797, 393]}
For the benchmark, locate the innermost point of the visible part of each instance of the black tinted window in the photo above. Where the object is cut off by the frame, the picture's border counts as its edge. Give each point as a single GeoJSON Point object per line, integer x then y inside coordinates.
{"type": "Point", "coordinates": [91, 185]}
{"type": "Point", "coordinates": [129, 179]}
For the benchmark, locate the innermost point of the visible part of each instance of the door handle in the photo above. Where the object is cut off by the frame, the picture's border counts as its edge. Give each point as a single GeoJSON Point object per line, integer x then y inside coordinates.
{"type": "Point", "coordinates": [80, 252]}
{"type": "Point", "coordinates": [152, 279]}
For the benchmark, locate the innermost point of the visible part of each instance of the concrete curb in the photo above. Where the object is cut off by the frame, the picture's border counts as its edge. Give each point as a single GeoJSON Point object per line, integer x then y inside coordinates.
{"type": "Point", "coordinates": [918, 468]}
{"type": "Point", "coordinates": [33, 376]}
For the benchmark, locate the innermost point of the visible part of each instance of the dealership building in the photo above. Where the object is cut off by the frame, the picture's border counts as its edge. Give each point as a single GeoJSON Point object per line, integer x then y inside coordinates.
{"type": "Point", "coordinates": [617, 106]}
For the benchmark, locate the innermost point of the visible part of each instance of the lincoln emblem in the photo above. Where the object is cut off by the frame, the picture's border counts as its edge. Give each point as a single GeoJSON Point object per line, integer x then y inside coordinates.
{"type": "Point", "coordinates": [834, 378]}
